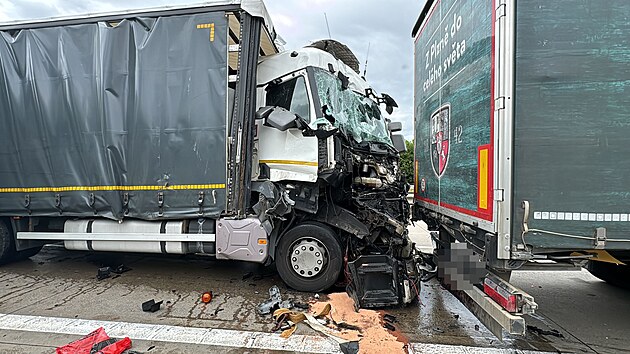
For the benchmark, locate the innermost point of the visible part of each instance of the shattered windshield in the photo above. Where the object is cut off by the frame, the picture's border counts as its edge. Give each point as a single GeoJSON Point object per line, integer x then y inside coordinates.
{"type": "Point", "coordinates": [354, 113]}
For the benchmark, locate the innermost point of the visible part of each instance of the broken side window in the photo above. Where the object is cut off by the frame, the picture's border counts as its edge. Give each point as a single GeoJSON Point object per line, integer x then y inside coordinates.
{"type": "Point", "coordinates": [292, 96]}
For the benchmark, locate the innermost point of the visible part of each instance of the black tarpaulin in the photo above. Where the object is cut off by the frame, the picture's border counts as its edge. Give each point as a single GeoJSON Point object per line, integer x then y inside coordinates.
{"type": "Point", "coordinates": [112, 121]}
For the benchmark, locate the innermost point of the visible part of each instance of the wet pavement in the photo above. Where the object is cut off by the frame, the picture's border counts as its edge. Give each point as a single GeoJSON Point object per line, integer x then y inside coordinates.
{"type": "Point", "coordinates": [589, 314]}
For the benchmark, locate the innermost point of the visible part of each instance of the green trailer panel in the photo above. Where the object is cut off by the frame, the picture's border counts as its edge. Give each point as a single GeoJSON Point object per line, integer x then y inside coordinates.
{"type": "Point", "coordinates": [453, 108]}
{"type": "Point", "coordinates": [572, 122]}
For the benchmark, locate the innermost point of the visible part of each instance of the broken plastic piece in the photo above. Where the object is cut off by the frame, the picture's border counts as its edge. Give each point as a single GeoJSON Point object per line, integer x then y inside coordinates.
{"type": "Point", "coordinates": [374, 281]}
{"type": "Point", "coordinates": [389, 318]}
{"type": "Point", "coordinates": [206, 297]}
{"type": "Point", "coordinates": [344, 325]}
{"type": "Point", "coordinates": [112, 346]}
{"type": "Point", "coordinates": [96, 342]}
{"type": "Point", "coordinates": [389, 326]}
{"type": "Point", "coordinates": [293, 318]}
{"type": "Point", "coordinates": [274, 302]}
{"type": "Point", "coordinates": [151, 306]}
{"type": "Point", "coordinates": [120, 269]}
{"type": "Point", "coordinates": [301, 306]}
{"type": "Point", "coordinates": [103, 273]}
{"type": "Point", "coordinates": [349, 347]}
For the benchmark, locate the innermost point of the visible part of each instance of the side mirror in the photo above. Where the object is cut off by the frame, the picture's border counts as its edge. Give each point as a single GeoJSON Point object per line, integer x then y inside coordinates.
{"type": "Point", "coordinates": [394, 126]}
{"type": "Point", "coordinates": [282, 119]}
{"type": "Point", "coordinates": [399, 142]}
{"type": "Point", "coordinates": [264, 112]}
{"type": "Point", "coordinates": [390, 103]}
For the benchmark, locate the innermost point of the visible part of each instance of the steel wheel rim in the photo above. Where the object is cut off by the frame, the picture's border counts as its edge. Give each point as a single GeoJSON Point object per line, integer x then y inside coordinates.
{"type": "Point", "coordinates": [308, 257]}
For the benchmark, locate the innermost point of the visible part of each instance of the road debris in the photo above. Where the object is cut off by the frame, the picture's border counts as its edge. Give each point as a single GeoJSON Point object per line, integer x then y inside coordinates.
{"type": "Point", "coordinates": [301, 306]}
{"type": "Point", "coordinates": [151, 306]}
{"type": "Point", "coordinates": [120, 269]}
{"type": "Point", "coordinates": [274, 302]}
{"type": "Point", "coordinates": [287, 318]}
{"type": "Point", "coordinates": [544, 332]}
{"type": "Point", "coordinates": [96, 342]}
{"type": "Point", "coordinates": [389, 326]}
{"type": "Point", "coordinates": [372, 337]}
{"type": "Point", "coordinates": [206, 297]}
{"type": "Point", "coordinates": [106, 272]}
{"type": "Point", "coordinates": [389, 318]}
{"type": "Point", "coordinates": [103, 273]}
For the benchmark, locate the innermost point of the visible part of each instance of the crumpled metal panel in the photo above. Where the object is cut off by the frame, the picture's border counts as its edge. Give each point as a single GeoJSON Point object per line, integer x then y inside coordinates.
{"type": "Point", "coordinates": [89, 113]}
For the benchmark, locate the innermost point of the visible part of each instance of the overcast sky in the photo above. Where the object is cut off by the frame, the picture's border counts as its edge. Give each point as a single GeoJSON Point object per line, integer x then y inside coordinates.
{"type": "Point", "coordinates": [386, 25]}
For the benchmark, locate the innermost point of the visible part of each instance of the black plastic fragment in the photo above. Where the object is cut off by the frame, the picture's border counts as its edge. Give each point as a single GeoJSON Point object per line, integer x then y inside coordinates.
{"type": "Point", "coordinates": [301, 305]}
{"type": "Point", "coordinates": [389, 326]}
{"type": "Point", "coordinates": [151, 306]}
{"type": "Point", "coordinates": [349, 347]}
{"type": "Point", "coordinates": [120, 269]}
{"type": "Point", "coordinates": [389, 318]}
{"type": "Point", "coordinates": [103, 273]}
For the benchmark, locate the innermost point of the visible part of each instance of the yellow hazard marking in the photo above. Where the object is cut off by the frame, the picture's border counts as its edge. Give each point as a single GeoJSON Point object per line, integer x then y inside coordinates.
{"type": "Point", "coordinates": [415, 178]}
{"type": "Point", "coordinates": [290, 162]}
{"type": "Point", "coordinates": [483, 179]}
{"type": "Point", "coordinates": [111, 188]}
{"type": "Point", "coordinates": [209, 26]}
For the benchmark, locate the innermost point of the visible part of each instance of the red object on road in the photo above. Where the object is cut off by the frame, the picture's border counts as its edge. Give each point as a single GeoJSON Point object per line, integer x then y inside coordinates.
{"type": "Point", "coordinates": [97, 342]}
{"type": "Point", "coordinates": [206, 297]}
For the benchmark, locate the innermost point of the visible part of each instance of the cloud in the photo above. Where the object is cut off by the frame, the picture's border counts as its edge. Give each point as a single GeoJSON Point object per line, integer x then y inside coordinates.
{"type": "Point", "coordinates": [356, 23]}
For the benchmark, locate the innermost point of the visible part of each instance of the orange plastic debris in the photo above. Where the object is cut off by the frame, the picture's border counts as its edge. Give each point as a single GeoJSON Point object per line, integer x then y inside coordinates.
{"type": "Point", "coordinates": [206, 297]}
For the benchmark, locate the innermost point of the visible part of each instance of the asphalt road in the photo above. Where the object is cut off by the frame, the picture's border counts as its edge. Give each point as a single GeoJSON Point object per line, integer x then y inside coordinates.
{"type": "Point", "coordinates": [60, 286]}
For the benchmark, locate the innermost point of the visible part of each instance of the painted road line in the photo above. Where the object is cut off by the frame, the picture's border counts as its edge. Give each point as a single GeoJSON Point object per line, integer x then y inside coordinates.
{"type": "Point", "coordinates": [214, 337]}
{"type": "Point", "coordinates": [173, 334]}
{"type": "Point", "coordinates": [420, 348]}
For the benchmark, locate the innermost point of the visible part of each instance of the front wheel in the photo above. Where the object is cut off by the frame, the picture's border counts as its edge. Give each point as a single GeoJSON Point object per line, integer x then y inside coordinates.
{"type": "Point", "coordinates": [308, 257]}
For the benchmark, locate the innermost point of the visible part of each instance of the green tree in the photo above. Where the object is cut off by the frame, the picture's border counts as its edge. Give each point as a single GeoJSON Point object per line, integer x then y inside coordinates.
{"type": "Point", "coordinates": [406, 162]}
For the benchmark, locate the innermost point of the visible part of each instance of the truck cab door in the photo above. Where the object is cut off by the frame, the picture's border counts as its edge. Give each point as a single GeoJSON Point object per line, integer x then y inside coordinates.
{"type": "Point", "coordinates": [288, 155]}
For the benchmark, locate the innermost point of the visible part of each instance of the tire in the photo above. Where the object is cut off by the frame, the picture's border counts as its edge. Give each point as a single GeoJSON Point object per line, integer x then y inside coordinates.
{"type": "Point", "coordinates": [7, 243]}
{"type": "Point", "coordinates": [28, 253]}
{"type": "Point", "coordinates": [312, 237]}
{"type": "Point", "coordinates": [613, 274]}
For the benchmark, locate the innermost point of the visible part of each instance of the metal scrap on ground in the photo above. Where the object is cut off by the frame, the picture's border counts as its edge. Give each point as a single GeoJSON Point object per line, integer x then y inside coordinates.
{"type": "Point", "coordinates": [359, 331]}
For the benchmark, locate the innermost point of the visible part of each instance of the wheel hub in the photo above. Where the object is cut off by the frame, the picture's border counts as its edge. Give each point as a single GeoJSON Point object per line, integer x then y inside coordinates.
{"type": "Point", "coordinates": [308, 257]}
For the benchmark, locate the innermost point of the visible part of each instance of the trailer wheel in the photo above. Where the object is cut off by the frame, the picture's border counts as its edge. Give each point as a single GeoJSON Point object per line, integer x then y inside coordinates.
{"type": "Point", "coordinates": [7, 248]}
{"type": "Point", "coordinates": [613, 274]}
{"type": "Point", "coordinates": [308, 257]}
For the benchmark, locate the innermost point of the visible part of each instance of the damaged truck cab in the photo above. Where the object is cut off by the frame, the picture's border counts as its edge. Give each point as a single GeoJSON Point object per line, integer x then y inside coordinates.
{"type": "Point", "coordinates": [325, 150]}
{"type": "Point", "coordinates": [208, 140]}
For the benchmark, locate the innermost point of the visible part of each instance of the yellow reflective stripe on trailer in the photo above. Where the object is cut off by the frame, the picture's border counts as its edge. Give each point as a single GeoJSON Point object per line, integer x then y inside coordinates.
{"type": "Point", "coordinates": [111, 188]}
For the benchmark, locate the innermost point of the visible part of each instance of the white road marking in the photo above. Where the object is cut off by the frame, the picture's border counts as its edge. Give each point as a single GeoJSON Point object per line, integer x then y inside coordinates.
{"type": "Point", "coordinates": [214, 337]}
{"type": "Point", "coordinates": [173, 334]}
{"type": "Point", "coordinates": [419, 348]}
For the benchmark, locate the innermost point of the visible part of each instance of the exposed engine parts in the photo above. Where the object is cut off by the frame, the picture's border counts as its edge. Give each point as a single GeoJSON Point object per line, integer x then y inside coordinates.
{"type": "Point", "coordinates": [363, 198]}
